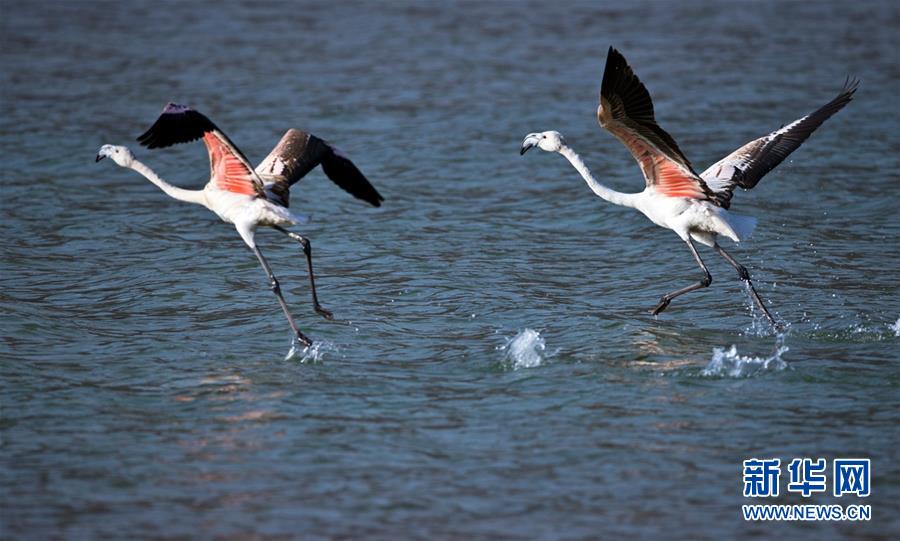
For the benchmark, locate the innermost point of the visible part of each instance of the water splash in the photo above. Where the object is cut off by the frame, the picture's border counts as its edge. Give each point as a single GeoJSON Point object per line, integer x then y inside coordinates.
{"type": "Point", "coordinates": [311, 354]}
{"type": "Point", "coordinates": [524, 350]}
{"type": "Point", "coordinates": [895, 327]}
{"type": "Point", "coordinates": [760, 325]}
{"type": "Point", "coordinates": [728, 363]}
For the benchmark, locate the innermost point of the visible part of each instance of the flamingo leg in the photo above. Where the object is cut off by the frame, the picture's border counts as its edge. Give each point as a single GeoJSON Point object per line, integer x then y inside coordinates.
{"type": "Point", "coordinates": [745, 276]}
{"type": "Point", "coordinates": [307, 250]}
{"type": "Point", "coordinates": [707, 279]}
{"type": "Point", "coordinates": [276, 288]}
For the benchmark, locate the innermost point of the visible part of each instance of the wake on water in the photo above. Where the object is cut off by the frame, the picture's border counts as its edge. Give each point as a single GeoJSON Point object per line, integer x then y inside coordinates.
{"type": "Point", "coordinates": [728, 363]}
{"type": "Point", "coordinates": [528, 349]}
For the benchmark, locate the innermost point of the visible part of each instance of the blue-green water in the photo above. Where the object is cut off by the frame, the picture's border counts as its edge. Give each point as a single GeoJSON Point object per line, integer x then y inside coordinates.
{"type": "Point", "coordinates": [145, 393]}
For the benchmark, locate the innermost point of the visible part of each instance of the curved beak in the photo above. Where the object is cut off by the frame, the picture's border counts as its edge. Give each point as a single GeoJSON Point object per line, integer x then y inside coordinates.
{"type": "Point", "coordinates": [99, 157]}
{"type": "Point", "coordinates": [530, 141]}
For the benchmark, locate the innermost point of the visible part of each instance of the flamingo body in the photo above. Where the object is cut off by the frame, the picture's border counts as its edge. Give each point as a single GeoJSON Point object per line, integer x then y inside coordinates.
{"type": "Point", "coordinates": [694, 206]}
{"type": "Point", "coordinates": [243, 196]}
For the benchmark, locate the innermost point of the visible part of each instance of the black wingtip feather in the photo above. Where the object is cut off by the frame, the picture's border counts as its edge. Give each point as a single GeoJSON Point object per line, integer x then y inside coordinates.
{"type": "Point", "coordinates": [345, 174]}
{"type": "Point", "coordinates": [816, 118]}
{"type": "Point", "coordinates": [620, 80]}
{"type": "Point", "coordinates": [176, 124]}
{"type": "Point", "coordinates": [618, 74]}
{"type": "Point", "coordinates": [849, 89]}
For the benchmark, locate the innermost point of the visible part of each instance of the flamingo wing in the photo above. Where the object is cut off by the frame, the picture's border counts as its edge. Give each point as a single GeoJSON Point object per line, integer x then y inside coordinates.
{"type": "Point", "coordinates": [298, 153]}
{"type": "Point", "coordinates": [229, 169]}
{"type": "Point", "coordinates": [626, 110]}
{"type": "Point", "coordinates": [746, 166]}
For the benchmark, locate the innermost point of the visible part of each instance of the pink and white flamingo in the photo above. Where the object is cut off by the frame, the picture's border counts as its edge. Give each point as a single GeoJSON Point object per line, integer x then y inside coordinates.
{"type": "Point", "coordinates": [247, 197]}
{"type": "Point", "coordinates": [694, 206]}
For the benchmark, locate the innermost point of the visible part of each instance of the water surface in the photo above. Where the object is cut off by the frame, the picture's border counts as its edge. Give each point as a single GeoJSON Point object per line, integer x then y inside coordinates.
{"type": "Point", "coordinates": [493, 371]}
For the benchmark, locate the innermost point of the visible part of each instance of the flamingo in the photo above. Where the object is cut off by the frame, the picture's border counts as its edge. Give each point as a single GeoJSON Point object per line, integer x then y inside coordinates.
{"type": "Point", "coordinates": [247, 197]}
{"type": "Point", "coordinates": [694, 206]}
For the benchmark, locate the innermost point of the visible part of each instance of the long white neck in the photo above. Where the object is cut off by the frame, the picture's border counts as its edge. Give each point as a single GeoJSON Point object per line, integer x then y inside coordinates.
{"type": "Point", "coordinates": [189, 196]}
{"type": "Point", "coordinates": [617, 198]}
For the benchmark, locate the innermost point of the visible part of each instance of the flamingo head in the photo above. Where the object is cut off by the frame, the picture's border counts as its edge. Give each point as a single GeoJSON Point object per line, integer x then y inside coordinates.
{"type": "Point", "coordinates": [550, 141]}
{"type": "Point", "coordinates": [119, 154]}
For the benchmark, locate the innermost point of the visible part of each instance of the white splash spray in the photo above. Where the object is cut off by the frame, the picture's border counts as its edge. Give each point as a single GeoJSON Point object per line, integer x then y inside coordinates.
{"type": "Point", "coordinates": [312, 354]}
{"type": "Point", "coordinates": [728, 363]}
{"type": "Point", "coordinates": [524, 350]}
{"type": "Point", "coordinates": [760, 325]}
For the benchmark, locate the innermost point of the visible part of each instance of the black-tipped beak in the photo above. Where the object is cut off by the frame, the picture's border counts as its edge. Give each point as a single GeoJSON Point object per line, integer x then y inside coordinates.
{"type": "Point", "coordinates": [99, 157]}
{"type": "Point", "coordinates": [531, 140]}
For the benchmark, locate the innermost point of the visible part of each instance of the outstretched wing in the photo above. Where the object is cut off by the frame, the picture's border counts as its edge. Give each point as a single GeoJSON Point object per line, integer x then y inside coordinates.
{"type": "Point", "coordinates": [747, 165]}
{"type": "Point", "coordinates": [626, 110]}
{"type": "Point", "coordinates": [298, 153]}
{"type": "Point", "coordinates": [229, 169]}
